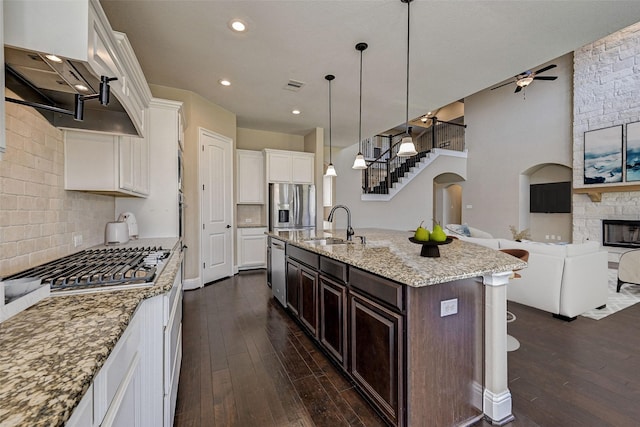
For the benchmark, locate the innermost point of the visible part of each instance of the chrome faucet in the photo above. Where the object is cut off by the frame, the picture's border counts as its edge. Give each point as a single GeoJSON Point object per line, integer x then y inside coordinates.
{"type": "Point", "coordinates": [350, 231]}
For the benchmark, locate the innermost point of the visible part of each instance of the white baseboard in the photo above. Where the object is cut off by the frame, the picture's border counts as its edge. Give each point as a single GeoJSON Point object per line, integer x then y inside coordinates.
{"type": "Point", "coordinates": [194, 283]}
{"type": "Point", "coordinates": [497, 406]}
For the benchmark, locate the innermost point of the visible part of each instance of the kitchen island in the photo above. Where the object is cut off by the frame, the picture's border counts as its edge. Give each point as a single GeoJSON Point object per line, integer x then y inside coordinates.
{"type": "Point", "coordinates": [51, 353]}
{"type": "Point", "coordinates": [423, 339]}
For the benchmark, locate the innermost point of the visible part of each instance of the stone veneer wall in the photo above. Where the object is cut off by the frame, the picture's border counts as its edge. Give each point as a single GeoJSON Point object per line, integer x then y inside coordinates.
{"type": "Point", "coordinates": [606, 93]}
{"type": "Point", "coordinates": [38, 218]}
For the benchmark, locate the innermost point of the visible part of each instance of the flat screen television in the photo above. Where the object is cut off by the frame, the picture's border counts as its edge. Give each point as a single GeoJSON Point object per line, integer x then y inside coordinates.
{"type": "Point", "coordinates": [553, 197]}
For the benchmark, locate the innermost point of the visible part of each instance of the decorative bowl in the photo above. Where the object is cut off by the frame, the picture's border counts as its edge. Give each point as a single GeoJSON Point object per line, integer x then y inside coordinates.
{"type": "Point", "coordinates": [430, 248]}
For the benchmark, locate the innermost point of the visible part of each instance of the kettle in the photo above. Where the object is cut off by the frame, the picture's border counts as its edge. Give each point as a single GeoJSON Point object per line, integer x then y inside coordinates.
{"type": "Point", "coordinates": [116, 232]}
{"type": "Point", "coordinates": [130, 219]}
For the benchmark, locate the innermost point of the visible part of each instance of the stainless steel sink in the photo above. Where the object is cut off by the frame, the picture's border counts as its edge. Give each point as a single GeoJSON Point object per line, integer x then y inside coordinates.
{"type": "Point", "coordinates": [327, 241]}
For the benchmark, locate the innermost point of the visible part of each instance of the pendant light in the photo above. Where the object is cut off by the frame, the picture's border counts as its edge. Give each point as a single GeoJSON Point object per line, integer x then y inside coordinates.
{"type": "Point", "coordinates": [359, 162]}
{"type": "Point", "coordinates": [407, 148]}
{"type": "Point", "coordinates": [331, 171]}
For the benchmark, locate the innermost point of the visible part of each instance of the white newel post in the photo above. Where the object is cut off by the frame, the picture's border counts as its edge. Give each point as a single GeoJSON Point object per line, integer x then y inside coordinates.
{"type": "Point", "coordinates": [497, 397]}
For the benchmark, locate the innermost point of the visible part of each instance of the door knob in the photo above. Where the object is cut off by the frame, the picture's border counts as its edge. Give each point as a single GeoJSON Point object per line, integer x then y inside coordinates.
{"type": "Point", "coordinates": [228, 226]}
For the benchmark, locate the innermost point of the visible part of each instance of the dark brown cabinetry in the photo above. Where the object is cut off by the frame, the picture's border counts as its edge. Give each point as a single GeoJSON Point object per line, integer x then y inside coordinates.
{"type": "Point", "coordinates": [333, 325]}
{"type": "Point", "coordinates": [293, 286]}
{"type": "Point", "coordinates": [309, 299]}
{"type": "Point", "coordinates": [302, 287]}
{"type": "Point", "coordinates": [376, 353]}
{"type": "Point", "coordinates": [416, 365]}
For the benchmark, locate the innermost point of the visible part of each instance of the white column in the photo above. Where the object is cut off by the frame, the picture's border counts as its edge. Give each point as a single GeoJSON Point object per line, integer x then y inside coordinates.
{"type": "Point", "coordinates": [497, 397]}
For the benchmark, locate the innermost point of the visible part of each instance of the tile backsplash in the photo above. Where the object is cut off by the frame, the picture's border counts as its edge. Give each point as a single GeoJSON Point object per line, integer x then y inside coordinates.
{"type": "Point", "coordinates": [38, 218]}
{"type": "Point", "coordinates": [250, 215]}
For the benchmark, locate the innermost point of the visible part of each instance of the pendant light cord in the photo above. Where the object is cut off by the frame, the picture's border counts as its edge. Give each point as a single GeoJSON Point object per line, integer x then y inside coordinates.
{"type": "Point", "coordinates": [360, 113]}
{"type": "Point", "coordinates": [330, 159]}
{"type": "Point", "coordinates": [408, 41]}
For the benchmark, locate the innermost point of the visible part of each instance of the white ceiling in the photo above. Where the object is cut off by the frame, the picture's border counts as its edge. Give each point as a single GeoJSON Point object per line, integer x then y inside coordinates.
{"type": "Point", "coordinates": [457, 48]}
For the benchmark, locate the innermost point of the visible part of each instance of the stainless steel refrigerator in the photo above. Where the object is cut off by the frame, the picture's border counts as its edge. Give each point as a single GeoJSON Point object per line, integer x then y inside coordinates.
{"type": "Point", "coordinates": [292, 206]}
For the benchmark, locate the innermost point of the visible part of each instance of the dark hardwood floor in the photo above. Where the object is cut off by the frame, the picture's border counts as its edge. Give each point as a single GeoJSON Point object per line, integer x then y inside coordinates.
{"type": "Point", "coordinates": [246, 363]}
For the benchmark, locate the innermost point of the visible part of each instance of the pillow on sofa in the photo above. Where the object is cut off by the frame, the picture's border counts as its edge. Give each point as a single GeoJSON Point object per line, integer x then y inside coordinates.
{"type": "Point", "coordinates": [461, 229]}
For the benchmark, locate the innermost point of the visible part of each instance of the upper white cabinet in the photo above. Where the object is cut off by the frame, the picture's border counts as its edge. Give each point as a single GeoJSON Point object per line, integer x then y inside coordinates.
{"type": "Point", "coordinates": [250, 176]}
{"type": "Point", "coordinates": [158, 215]}
{"type": "Point", "coordinates": [289, 166]}
{"type": "Point", "coordinates": [106, 164]}
{"type": "Point", "coordinates": [79, 30]}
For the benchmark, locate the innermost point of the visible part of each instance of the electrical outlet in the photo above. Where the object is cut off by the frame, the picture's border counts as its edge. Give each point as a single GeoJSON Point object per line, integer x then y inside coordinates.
{"type": "Point", "coordinates": [77, 240]}
{"type": "Point", "coordinates": [559, 237]}
{"type": "Point", "coordinates": [546, 236]}
{"type": "Point", "coordinates": [553, 237]}
{"type": "Point", "coordinates": [448, 307]}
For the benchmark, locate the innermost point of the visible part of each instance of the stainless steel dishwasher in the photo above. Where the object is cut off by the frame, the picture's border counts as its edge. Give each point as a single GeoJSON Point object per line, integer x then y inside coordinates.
{"type": "Point", "coordinates": [278, 271]}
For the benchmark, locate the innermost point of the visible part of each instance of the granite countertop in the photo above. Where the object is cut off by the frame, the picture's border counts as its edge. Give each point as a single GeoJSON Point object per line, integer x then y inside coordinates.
{"type": "Point", "coordinates": [390, 254]}
{"type": "Point", "coordinates": [51, 352]}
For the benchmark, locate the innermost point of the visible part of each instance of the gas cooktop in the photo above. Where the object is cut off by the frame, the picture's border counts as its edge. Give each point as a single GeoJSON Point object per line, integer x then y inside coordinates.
{"type": "Point", "coordinates": [94, 270]}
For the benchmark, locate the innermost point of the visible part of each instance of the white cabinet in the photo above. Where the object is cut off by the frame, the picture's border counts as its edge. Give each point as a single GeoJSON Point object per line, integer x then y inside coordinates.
{"type": "Point", "coordinates": [252, 248]}
{"type": "Point", "coordinates": [289, 166]}
{"type": "Point", "coordinates": [134, 164]}
{"type": "Point", "coordinates": [250, 176]}
{"type": "Point", "coordinates": [117, 386]}
{"type": "Point", "coordinates": [82, 415]}
{"type": "Point", "coordinates": [106, 164]}
{"type": "Point", "coordinates": [302, 168]}
{"type": "Point", "coordinates": [128, 389]}
{"type": "Point", "coordinates": [172, 348]}
{"type": "Point", "coordinates": [158, 214]}
{"type": "Point", "coordinates": [81, 32]}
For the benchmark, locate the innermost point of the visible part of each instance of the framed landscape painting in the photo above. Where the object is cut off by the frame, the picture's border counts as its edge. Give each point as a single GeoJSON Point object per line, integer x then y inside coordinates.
{"type": "Point", "coordinates": [632, 165]}
{"type": "Point", "coordinates": [603, 155]}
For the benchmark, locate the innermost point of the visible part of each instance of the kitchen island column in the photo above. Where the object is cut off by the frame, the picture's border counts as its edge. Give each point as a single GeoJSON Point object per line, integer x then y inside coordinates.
{"type": "Point", "coordinates": [496, 396]}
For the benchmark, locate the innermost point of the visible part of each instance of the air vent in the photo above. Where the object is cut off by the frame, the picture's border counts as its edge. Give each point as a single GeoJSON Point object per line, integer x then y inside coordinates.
{"type": "Point", "coordinates": [294, 85]}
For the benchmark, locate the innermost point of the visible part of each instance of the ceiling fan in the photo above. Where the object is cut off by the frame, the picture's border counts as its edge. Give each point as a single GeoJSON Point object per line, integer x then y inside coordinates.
{"type": "Point", "coordinates": [523, 80]}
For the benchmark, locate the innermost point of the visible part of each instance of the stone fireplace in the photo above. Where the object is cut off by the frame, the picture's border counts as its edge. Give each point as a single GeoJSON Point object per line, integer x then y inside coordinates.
{"type": "Point", "coordinates": [621, 233]}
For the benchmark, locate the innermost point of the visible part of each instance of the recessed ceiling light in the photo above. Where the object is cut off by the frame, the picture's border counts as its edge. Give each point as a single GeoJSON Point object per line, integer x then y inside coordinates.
{"type": "Point", "coordinates": [224, 82]}
{"type": "Point", "coordinates": [237, 25]}
{"type": "Point", "coordinates": [296, 112]}
{"type": "Point", "coordinates": [81, 88]}
{"type": "Point", "coordinates": [53, 58]}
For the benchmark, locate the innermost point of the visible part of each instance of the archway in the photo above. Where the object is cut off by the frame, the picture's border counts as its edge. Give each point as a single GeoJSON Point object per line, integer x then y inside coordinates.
{"type": "Point", "coordinates": [447, 198]}
{"type": "Point", "coordinates": [545, 226]}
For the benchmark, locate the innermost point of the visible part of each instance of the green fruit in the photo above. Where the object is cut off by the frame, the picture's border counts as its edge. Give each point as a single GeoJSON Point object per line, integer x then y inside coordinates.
{"type": "Point", "coordinates": [421, 234]}
{"type": "Point", "coordinates": [438, 234]}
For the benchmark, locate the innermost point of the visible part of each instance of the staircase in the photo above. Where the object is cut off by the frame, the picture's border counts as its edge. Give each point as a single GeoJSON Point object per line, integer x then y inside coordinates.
{"type": "Point", "coordinates": [405, 173]}
{"type": "Point", "coordinates": [387, 174]}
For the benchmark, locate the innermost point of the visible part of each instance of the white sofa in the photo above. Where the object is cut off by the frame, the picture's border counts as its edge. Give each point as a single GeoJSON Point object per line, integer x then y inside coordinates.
{"type": "Point", "coordinates": [565, 280]}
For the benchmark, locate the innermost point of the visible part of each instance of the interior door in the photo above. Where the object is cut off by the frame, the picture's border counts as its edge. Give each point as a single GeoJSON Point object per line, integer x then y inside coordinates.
{"type": "Point", "coordinates": [216, 180]}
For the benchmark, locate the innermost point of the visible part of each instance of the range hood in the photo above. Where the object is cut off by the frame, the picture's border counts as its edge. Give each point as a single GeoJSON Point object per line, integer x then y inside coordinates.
{"type": "Point", "coordinates": [51, 47]}
{"type": "Point", "coordinates": [40, 81]}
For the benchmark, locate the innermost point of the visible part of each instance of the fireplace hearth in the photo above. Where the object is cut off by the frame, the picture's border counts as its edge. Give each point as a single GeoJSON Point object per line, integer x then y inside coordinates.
{"type": "Point", "coordinates": [621, 233]}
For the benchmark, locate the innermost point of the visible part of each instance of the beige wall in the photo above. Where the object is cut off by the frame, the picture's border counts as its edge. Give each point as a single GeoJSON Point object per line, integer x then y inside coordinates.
{"type": "Point", "coordinates": [314, 143]}
{"type": "Point", "coordinates": [507, 135]}
{"type": "Point", "coordinates": [198, 113]}
{"type": "Point", "coordinates": [38, 218]}
{"type": "Point", "coordinates": [252, 139]}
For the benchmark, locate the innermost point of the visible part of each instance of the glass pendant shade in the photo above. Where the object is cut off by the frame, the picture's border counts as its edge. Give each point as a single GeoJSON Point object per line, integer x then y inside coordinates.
{"type": "Point", "coordinates": [359, 162]}
{"type": "Point", "coordinates": [331, 171]}
{"type": "Point", "coordinates": [407, 148]}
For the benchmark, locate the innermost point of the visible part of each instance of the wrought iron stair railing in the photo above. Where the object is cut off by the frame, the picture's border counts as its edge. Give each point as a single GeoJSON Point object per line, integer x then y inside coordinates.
{"type": "Point", "coordinates": [387, 168]}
